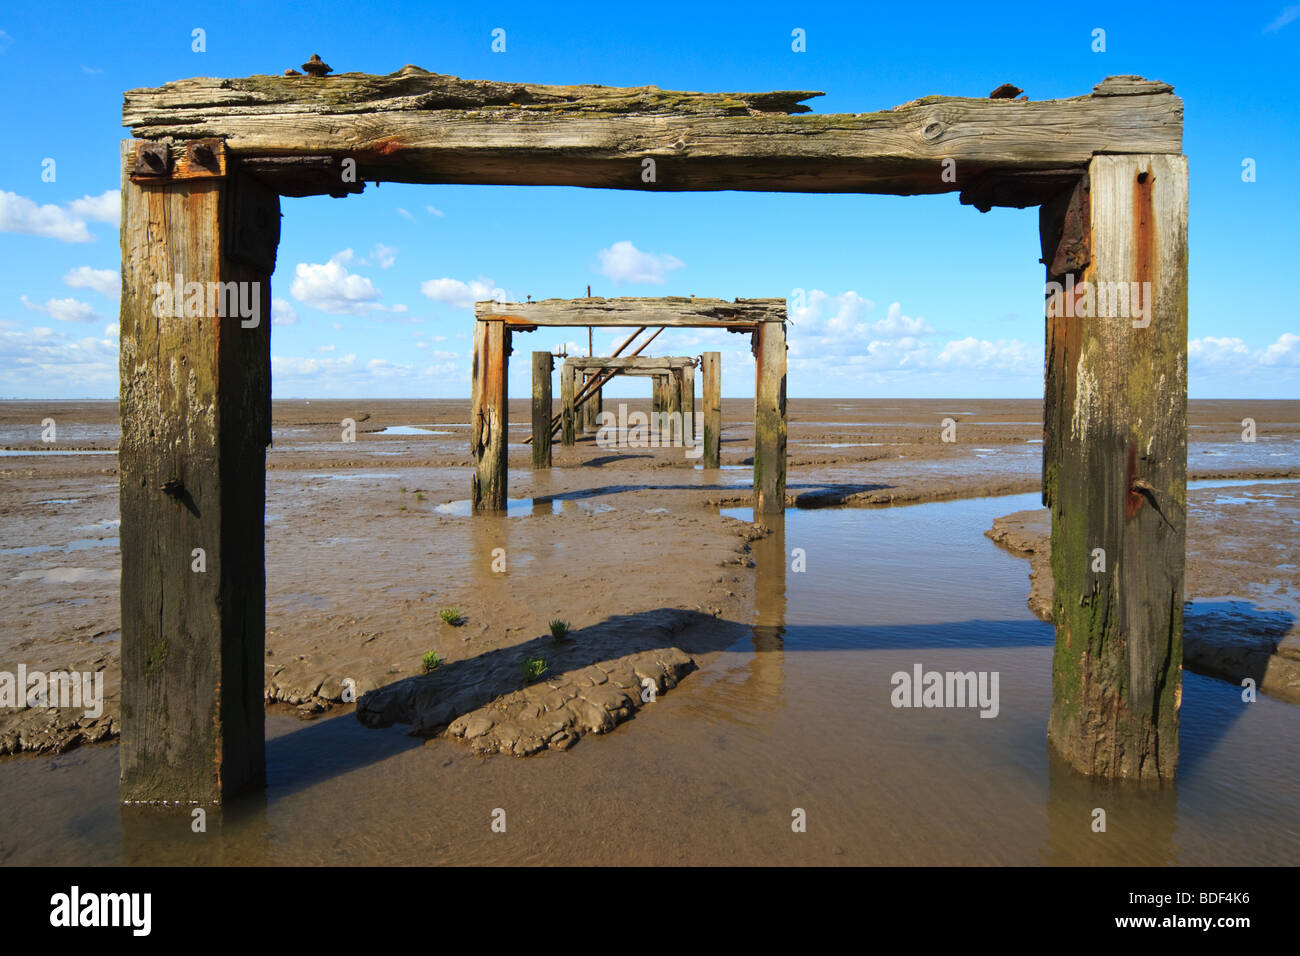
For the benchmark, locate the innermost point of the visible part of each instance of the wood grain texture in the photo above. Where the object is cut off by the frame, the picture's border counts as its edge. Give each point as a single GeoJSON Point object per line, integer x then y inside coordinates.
{"type": "Point", "coordinates": [769, 418]}
{"type": "Point", "coordinates": [195, 402]}
{"type": "Point", "coordinates": [543, 364]}
{"type": "Point", "coordinates": [489, 417]}
{"type": "Point", "coordinates": [711, 399]}
{"type": "Point", "coordinates": [629, 362]}
{"type": "Point", "coordinates": [1115, 478]}
{"type": "Point", "coordinates": [414, 126]}
{"type": "Point", "coordinates": [668, 311]}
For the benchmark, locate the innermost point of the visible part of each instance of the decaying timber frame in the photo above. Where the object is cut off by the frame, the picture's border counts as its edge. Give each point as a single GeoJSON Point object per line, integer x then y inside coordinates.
{"type": "Point", "coordinates": [581, 403]}
{"type": "Point", "coordinates": [763, 319]}
{"type": "Point", "coordinates": [201, 182]}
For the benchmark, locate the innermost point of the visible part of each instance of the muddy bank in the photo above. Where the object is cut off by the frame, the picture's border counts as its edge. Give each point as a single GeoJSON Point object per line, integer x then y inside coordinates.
{"type": "Point", "coordinates": [1242, 617]}
{"type": "Point", "coordinates": [367, 541]}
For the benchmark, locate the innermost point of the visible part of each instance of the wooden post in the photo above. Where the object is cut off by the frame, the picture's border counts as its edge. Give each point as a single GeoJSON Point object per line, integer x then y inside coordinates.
{"type": "Point", "coordinates": [673, 382]}
{"type": "Point", "coordinates": [657, 394]}
{"type": "Point", "coordinates": [579, 417]}
{"type": "Point", "coordinates": [543, 363]}
{"type": "Point", "coordinates": [769, 418]}
{"type": "Point", "coordinates": [489, 418]}
{"type": "Point", "coordinates": [195, 401]}
{"type": "Point", "coordinates": [1115, 463]}
{"type": "Point", "coordinates": [591, 408]}
{"type": "Point", "coordinates": [688, 405]}
{"type": "Point", "coordinates": [567, 415]}
{"type": "Point", "coordinates": [711, 399]}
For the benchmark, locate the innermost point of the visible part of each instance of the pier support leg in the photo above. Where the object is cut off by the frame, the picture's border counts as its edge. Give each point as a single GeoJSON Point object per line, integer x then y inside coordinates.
{"type": "Point", "coordinates": [591, 407]}
{"type": "Point", "coordinates": [489, 419]}
{"type": "Point", "coordinates": [1115, 463]}
{"type": "Point", "coordinates": [769, 418]}
{"type": "Point", "coordinates": [568, 416]}
{"type": "Point", "coordinates": [195, 402]}
{"type": "Point", "coordinates": [543, 364]}
{"type": "Point", "coordinates": [688, 406]}
{"type": "Point", "coordinates": [711, 399]}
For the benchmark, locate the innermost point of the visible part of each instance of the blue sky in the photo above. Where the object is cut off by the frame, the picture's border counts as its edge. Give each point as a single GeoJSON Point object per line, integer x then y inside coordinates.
{"type": "Point", "coordinates": [907, 297]}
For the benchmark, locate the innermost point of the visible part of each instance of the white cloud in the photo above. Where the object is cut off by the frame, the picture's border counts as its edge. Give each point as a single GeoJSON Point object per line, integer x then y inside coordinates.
{"type": "Point", "coordinates": [1288, 15]}
{"type": "Point", "coordinates": [284, 365]}
{"type": "Point", "coordinates": [64, 310]}
{"type": "Point", "coordinates": [1217, 351]}
{"type": "Point", "coordinates": [331, 288]}
{"type": "Point", "coordinates": [106, 207]}
{"type": "Point", "coordinates": [104, 281]}
{"type": "Point", "coordinates": [6, 41]}
{"type": "Point", "coordinates": [434, 211]}
{"type": "Point", "coordinates": [462, 295]}
{"type": "Point", "coordinates": [91, 70]}
{"type": "Point", "coordinates": [68, 224]}
{"type": "Point", "coordinates": [1012, 356]}
{"type": "Point", "coordinates": [384, 255]}
{"type": "Point", "coordinates": [405, 213]}
{"type": "Point", "coordinates": [41, 362]}
{"type": "Point", "coordinates": [624, 262]}
{"type": "Point", "coordinates": [1285, 351]}
{"type": "Point", "coordinates": [283, 313]}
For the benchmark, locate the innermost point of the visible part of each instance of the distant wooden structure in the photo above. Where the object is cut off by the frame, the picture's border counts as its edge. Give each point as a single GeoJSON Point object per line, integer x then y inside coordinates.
{"type": "Point", "coordinates": [762, 319]}
{"type": "Point", "coordinates": [673, 389]}
{"type": "Point", "coordinates": [201, 183]}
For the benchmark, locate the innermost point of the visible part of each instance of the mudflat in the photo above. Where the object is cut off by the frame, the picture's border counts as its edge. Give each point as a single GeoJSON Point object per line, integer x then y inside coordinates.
{"type": "Point", "coordinates": [369, 541]}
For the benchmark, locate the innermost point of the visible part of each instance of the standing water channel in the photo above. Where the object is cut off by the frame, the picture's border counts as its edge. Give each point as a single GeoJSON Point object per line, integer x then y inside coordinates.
{"type": "Point", "coordinates": [798, 716]}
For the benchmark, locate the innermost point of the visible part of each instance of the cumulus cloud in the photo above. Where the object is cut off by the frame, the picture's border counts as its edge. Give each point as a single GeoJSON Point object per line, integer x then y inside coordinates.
{"type": "Point", "coordinates": [1285, 351]}
{"type": "Point", "coordinates": [283, 313]}
{"type": "Point", "coordinates": [66, 223]}
{"type": "Point", "coordinates": [104, 281]}
{"type": "Point", "coordinates": [64, 310]}
{"type": "Point", "coordinates": [42, 362]}
{"type": "Point", "coordinates": [331, 288]}
{"type": "Point", "coordinates": [1005, 355]}
{"type": "Point", "coordinates": [624, 262]}
{"type": "Point", "coordinates": [462, 295]}
{"type": "Point", "coordinates": [1218, 351]}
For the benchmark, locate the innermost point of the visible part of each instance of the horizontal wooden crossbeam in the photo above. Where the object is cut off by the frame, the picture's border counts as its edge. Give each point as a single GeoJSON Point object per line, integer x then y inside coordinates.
{"type": "Point", "coordinates": [661, 362]}
{"type": "Point", "coordinates": [674, 311]}
{"type": "Point", "coordinates": [420, 127]}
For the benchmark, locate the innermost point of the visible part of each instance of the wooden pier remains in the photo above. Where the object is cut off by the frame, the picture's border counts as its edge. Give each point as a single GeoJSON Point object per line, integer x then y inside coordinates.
{"type": "Point", "coordinates": [200, 185]}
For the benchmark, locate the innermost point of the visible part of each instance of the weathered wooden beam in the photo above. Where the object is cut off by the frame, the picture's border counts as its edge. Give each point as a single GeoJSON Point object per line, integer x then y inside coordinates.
{"type": "Point", "coordinates": [769, 418]}
{"type": "Point", "coordinates": [670, 311]}
{"type": "Point", "coordinates": [489, 416]}
{"type": "Point", "coordinates": [420, 127]}
{"type": "Point", "coordinates": [1115, 468]}
{"type": "Point", "coordinates": [568, 412]}
{"type": "Point", "coordinates": [711, 399]}
{"type": "Point", "coordinates": [579, 416]}
{"type": "Point", "coordinates": [632, 361]}
{"type": "Point", "coordinates": [196, 418]}
{"type": "Point", "coordinates": [543, 364]}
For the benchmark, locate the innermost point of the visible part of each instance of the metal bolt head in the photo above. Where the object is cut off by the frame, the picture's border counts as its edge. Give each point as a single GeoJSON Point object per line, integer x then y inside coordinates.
{"type": "Point", "coordinates": [152, 159]}
{"type": "Point", "coordinates": [316, 67]}
{"type": "Point", "coordinates": [202, 154]}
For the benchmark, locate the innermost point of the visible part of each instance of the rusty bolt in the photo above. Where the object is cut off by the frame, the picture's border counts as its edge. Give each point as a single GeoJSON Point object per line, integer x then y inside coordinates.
{"type": "Point", "coordinates": [202, 154]}
{"type": "Point", "coordinates": [173, 487]}
{"type": "Point", "coordinates": [152, 159]}
{"type": "Point", "coordinates": [316, 66]}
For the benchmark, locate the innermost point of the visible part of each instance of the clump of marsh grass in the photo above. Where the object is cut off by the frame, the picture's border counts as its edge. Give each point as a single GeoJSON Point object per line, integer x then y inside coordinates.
{"type": "Point", "coordinates": [533, 668]}
{"type": "Point", "coordinates": [452, 616]}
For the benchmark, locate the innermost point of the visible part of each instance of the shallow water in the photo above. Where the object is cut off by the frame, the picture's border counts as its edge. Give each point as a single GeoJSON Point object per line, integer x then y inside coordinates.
{"type": "Point", "coordinates": [796, 716]}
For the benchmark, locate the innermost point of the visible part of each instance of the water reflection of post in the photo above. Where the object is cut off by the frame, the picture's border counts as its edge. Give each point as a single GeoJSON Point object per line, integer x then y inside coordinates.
{"type": "Point", "coordinates": [1140, 820]}
{"type": "Point", "coordinates": [490, 555]}
{"type": "Point", "coordinates": [237, 834]}
{"type": "Point", "coordinates": [767, 672]}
